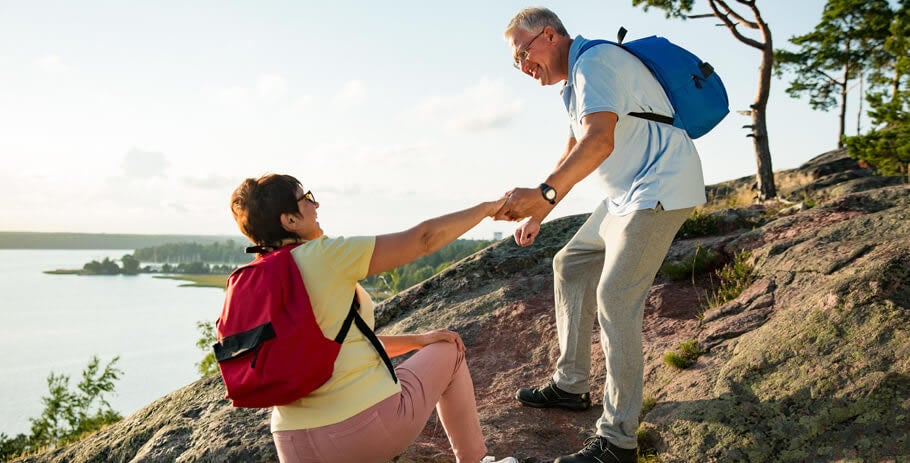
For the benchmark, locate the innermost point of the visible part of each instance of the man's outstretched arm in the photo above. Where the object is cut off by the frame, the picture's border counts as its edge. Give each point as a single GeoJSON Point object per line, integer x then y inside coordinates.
{"type": "Point", "coordinates": [581, 158]}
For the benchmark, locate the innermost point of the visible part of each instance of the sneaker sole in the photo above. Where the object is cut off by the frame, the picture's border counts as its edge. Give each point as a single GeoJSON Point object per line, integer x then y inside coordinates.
{"type": "Point", "coordinates": [566, 405]}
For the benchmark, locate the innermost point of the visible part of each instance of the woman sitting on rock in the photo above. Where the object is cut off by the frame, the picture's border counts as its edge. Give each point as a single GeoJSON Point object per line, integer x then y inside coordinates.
{"type": "Point", "coordinates": [361, 414]}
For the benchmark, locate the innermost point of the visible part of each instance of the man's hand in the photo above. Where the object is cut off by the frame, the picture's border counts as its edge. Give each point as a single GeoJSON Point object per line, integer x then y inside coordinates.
{"type": "Point", "coordinates": [527, 232]}
{"type": "Point", "coordinates": [524, 202]}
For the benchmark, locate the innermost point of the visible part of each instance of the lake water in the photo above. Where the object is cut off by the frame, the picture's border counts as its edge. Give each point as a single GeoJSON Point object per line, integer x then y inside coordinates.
{"type": "Point", "coordinates": [56, 323]}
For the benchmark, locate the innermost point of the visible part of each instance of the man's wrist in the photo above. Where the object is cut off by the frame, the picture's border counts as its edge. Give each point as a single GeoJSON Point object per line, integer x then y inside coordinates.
{"type": "Point", "coordinates": [549, 193]}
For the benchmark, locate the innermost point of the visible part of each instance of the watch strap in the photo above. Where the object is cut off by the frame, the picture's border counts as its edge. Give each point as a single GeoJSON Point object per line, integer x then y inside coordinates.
{"type": "Point", "coordinates": [548, 193]}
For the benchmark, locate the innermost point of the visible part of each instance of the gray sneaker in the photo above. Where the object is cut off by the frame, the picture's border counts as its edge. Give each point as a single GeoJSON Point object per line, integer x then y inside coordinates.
{"type": "Point", "coordinates": [549, 396]}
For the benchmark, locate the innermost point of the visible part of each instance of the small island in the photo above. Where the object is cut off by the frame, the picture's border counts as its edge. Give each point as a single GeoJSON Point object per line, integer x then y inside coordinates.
{"type": "Point", "coordinates": [200, 265]}
{"type": "Point", "coordinates": [106, 267]}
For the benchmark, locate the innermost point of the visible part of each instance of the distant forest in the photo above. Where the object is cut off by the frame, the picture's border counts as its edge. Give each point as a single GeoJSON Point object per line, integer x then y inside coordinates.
{"type": "Point", "coordinates": [37, 240]}
{"type": "Point", "coordinates": [400, 278]}
{"type": "Point", "coordinates": [221, 257]}
{"type": "Point", "coordinates": [195, 258]}
{"type": "Point", "coordinates": [219, 252]}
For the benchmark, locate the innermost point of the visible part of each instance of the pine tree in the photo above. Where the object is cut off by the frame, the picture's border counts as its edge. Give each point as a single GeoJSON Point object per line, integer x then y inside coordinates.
{"type": "Point", "coordinates": [846, 44]}
{"type": "Point", "coordinates": [887, 147]}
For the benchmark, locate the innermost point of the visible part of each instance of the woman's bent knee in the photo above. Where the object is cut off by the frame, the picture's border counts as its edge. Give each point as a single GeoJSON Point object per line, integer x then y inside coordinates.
{"type": "Point", "coordinates": [446, 353]}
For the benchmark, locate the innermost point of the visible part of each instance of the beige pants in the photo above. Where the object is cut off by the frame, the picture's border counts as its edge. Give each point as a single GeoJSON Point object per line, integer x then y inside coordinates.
{"type": "Point", "coordinates": [436, 376]}
{"type": "Point", "coordinates": [605, 271]}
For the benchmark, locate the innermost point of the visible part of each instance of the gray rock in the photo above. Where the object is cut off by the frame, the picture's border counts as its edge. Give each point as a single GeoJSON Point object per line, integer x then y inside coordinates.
{"type": "Point", "coordinates": [810, 363]}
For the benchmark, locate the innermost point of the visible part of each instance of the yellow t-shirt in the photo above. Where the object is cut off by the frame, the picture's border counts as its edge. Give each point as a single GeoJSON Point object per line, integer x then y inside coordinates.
{"type": "Point", "coordinates": [331, 268]}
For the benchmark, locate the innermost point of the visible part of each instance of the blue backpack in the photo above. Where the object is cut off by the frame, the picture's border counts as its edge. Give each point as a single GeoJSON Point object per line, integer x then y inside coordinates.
{"type": "Point", "coordinates": [696, 92]}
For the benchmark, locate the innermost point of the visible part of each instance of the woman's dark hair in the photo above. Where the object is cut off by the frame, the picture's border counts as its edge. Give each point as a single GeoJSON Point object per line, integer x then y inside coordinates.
{"type": "Point", "coordinates": [257, 205]}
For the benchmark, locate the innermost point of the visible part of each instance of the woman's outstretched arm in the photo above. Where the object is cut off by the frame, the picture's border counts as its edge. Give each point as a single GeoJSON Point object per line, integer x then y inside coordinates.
{"type": "Point", "coordinates": [395, 249]}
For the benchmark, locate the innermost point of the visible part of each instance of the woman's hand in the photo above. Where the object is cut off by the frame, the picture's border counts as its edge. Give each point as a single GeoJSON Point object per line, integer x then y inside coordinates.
{"type": "Point", "coordinates": [496, 206]}
{"type": "Point", "coordinates": [441, 335]}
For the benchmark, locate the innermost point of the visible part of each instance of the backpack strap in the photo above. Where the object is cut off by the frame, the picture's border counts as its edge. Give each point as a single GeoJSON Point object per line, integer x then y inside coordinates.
{"type": "Point", "coordinates": [620, 36]}
{"type": "Point", "coordinates": [354, 316]}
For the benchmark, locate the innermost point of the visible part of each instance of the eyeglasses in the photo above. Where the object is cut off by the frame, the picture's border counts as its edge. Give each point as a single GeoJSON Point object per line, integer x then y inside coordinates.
{"type": "Point", "coordinates": [523, 54]}
{"type": "Point", "coordinates": [308, 196]}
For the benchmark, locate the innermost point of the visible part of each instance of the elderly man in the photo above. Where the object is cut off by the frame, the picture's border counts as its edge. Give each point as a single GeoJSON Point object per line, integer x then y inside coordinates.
{"type": "Point", "coordinates": [652, 177]}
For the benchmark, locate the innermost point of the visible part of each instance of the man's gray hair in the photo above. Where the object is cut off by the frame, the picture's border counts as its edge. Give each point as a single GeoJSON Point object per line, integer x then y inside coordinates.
{"type": "Point", "coordinates": [535, 19]}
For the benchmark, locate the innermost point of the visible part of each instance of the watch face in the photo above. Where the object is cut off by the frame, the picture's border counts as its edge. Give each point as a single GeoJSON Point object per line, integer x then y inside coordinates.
{"type": "Point", "coordinates": [550, 194]}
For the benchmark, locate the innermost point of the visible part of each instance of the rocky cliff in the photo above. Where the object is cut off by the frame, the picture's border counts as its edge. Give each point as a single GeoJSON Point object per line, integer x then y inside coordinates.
{"type": "Point", "coordinates": [809, 362]}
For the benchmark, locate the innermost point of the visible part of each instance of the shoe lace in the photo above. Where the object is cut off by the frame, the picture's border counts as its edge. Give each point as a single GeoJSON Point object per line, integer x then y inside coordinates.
{"type": "Point", "coordinates": [551, 387]}
{"type": "Point", "coordinates": [596, 447]}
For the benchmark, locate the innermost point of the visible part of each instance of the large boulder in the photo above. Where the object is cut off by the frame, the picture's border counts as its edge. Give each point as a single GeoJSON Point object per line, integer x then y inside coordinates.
{"type": "Point", "coordinates": [811, 362]}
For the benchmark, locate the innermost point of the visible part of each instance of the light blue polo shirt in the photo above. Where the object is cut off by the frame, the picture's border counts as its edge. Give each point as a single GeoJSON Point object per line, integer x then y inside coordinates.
{"type": "Point", "coordinates": [651, 162]}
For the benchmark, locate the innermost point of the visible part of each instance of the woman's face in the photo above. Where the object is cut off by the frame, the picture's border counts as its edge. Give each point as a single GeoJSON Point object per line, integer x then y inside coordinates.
{"type": "Point", "coordinates": [305, 225]}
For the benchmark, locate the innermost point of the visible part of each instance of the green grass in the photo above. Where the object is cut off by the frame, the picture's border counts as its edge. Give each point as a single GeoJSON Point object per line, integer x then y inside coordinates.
{"type": "Point", "coordinates": [646, 443]}
{"type": "Point", "coordinates": [734, 278]}
{"type": "Point", "coordinates": [198, 281]}
{"type": "Point", "coordinates": [647, 404]}
{"type": "Point", "coordinates": [685, 356]}
{"type": "Point", "coordinates": [64, 272]}
{"type": "Point", "coordinates": [690, 348]}
{"type": "Point", "coordinates": [677, 361]}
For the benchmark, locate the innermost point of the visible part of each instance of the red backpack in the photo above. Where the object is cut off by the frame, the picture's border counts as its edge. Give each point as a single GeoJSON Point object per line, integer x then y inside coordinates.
{"type": "Point", "coordinates": [270, 349]}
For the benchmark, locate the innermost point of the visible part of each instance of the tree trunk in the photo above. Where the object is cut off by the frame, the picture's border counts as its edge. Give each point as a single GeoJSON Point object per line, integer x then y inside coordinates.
{"type": "Point", "coordinates": [765, 174]}
{"type": "Point", "coordinates": [859, 112]}
{"type": "Point", "coordinates": [843, 102]}
{"type": "Point", "coordinates": [843, 111]}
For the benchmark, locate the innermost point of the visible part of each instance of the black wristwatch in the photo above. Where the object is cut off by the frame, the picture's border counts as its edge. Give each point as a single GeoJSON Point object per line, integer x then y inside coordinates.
{"type": "Point", "coordinates": [548, 192]}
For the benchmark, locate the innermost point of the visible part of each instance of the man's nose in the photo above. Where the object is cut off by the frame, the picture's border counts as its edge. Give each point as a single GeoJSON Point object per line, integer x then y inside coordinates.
{"type": "Point", "coordinates": [525, 67]}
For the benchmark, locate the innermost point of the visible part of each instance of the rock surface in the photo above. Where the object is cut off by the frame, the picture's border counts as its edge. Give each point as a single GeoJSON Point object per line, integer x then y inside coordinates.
{"type": "Point", "coordinates": [810, 363]}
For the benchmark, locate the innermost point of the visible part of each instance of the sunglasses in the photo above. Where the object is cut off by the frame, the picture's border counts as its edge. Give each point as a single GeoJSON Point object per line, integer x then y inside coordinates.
{"type": "Point", "coordinates": [308, 196]}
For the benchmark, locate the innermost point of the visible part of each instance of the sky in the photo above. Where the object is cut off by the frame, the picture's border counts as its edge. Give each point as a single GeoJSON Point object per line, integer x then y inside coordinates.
{"type": "Point", "coordinates": [142, 117]}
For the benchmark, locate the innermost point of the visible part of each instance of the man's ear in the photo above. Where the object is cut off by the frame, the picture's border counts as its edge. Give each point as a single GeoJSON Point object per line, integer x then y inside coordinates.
{"type": "Point", "coordinates": [549, 33]}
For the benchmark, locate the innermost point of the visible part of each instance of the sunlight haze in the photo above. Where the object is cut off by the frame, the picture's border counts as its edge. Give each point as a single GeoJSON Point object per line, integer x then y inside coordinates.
{"type": "Point", "coordinates": [141, 117]}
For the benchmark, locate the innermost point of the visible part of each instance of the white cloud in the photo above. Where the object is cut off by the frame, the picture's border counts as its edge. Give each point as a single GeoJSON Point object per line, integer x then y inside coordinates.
{"type": "Point", "coordinates": [267, 88]}
{"type": "Point", "coordinates": [210, 182]}
{"type": "Point", "coordinates": [353, 92]}
{"type": "Point", "coordinates": [176, 207]}
{"type": "Point", "coordinates": [270, 87]}
{"type": "Point", "coordinates": [140, 164]}
{"type": "Point", "coordinates": [232, 96]}
{"type": "Point", "coordinates": [51, 64]}
{"type": "Point", "coordinates": [489, 104]}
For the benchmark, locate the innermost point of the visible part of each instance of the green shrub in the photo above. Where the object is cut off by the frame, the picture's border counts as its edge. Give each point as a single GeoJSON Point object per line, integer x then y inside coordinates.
{"type": "Point", "coordinates": [887, 150]}
{"type": "Point", "coordinates": [68, 416]}
{"type": "Point", "coordinates": [208, 365]}
{"type": "Point", "coordinates": [698, 224]}
{"type": "Point", "coordinates": [677, 361]}
{"type": "Point", "coordinates": [733, 278]}
{"type": "Point", "coordinates": [701, 261]}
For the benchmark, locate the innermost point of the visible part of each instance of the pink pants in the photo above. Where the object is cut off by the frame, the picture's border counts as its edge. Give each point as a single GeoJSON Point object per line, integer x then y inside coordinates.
{"type": "Point", "coordinates": [436, 376]}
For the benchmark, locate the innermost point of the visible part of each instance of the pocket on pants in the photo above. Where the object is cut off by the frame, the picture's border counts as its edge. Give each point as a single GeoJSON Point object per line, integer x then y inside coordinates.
{"type": "Point", "coordinates": [367, 428]}
{"type": "Point", "coordinates": [287, 447]}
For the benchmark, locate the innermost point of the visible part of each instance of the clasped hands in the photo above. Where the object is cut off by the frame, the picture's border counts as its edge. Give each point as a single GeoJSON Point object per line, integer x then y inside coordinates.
{"type": "Point", "coordinates": [523, 203]}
